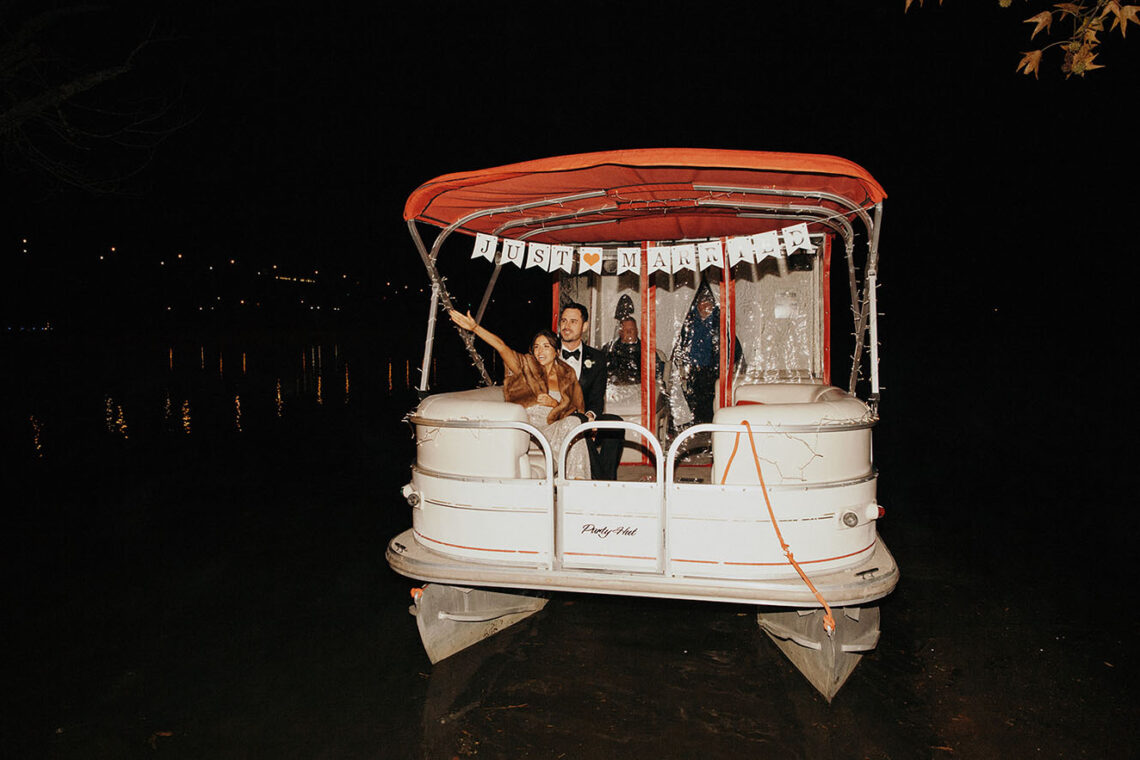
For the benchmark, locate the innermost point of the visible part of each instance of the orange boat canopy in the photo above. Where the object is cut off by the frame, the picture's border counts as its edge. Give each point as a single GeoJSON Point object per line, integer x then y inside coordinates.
{"type": "Point", "coordinates": [650, 194]}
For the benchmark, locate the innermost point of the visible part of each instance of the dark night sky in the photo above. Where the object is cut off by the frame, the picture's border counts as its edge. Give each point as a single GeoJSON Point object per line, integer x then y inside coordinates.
{"type": "Point", "coordinates": [308, 128]}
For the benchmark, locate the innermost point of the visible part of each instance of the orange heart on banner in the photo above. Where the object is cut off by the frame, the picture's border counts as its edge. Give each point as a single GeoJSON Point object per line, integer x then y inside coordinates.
{"type": "Point", "coordinates": [591, 258]}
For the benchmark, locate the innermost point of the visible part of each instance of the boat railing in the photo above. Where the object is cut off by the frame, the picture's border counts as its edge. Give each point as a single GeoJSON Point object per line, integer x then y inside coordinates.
{"type": "Point", "coordinates": [651, 439]}
{"type": "Point", "coordinates": [639, 503]}
{"type": "Point", "coordinates": [565, 505]}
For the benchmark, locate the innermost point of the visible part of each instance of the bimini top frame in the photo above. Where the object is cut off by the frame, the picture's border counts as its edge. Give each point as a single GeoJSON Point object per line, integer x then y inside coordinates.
{"type": "Point", "coordinates": [659, 194]}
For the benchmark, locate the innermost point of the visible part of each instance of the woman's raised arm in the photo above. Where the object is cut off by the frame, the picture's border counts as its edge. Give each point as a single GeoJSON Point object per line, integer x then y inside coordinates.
{"type": "Point", "coordinates": [467, 322]}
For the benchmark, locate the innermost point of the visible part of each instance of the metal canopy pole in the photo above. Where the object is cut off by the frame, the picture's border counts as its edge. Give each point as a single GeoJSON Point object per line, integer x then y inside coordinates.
{"type": "Point", "coordinates": [487, 293]}
{"type": "Point", "coordinates": [439, 289]}
{"type": "Point", "coordinates": [429, 341]}
{"type": "Point", "coordinates": [838, 200]}
{"type": "Point", "coordinates": [439, 293]}
{"type": "Point", "coordinates": [868, 317]}
{"type": "Point", "coordinates": [872, 297]}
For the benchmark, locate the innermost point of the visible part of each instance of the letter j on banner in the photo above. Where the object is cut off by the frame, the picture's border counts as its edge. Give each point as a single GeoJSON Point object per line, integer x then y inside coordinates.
{"type": "Point", "coordinates": [484, 247]}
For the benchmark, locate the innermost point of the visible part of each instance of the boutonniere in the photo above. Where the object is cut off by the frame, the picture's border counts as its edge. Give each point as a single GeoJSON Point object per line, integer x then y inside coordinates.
{"type": "Point", "coordinates": [588, 363]}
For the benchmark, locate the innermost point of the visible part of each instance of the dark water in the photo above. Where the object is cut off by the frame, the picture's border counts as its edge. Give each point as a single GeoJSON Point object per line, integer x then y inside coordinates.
{"type": "Point", "coordinates": [193, 554]}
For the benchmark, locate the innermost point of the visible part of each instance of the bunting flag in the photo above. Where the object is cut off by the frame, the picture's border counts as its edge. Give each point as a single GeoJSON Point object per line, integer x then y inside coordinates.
{"type": "Point", "coordinates": [660, 259]}
{"type": "Point", "coordinates": [514, 251]}
{"type": "Point", "coordinates": [710, 254]}
{"type": "Point", "coordinates": [796, 238]}
{"type": "Point", "coordinates": [767, 244]}
{"type": "Point", "coordinates": [561, 257]}
{"type": "Point", "coordinates": [740, 249]}
{"type": "Point", "coordinates": [684, 257]}
{"type": "Point", "coordinates": [484, 247]}
{"type": "Point", "coordinates": [628, 260]}
{"type": "Point", "coordinates": [538, 255]}
{"type": "Point", "coordinates": [671, 259]}
{"type": "Point", "coordinates": [589, 260]}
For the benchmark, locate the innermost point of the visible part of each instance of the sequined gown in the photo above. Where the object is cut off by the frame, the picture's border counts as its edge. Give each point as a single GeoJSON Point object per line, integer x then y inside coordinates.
{"type": "Point", "coordinates": [578, 461]}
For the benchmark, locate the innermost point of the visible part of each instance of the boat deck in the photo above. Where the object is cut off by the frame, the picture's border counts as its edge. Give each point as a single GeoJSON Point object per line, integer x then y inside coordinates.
{"type": "Point", "coordinates": [871, 579]}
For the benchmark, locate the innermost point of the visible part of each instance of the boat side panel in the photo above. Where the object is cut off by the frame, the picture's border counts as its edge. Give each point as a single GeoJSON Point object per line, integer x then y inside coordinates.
{"type": "Point", "coordinates": [490, 520]}
{"type": "Point", "coordinates": [610, 525]}
{"type": "Point", "coordinates": [736, 540]}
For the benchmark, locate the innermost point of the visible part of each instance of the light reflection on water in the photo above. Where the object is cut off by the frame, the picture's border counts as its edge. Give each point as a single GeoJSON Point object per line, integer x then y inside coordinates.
{"type": "Point", "coordinates": [133, 393]}
{"type": "Point", "coordinates": [115, 419]}
{"type": "Point", "coordinates": [37, 446]}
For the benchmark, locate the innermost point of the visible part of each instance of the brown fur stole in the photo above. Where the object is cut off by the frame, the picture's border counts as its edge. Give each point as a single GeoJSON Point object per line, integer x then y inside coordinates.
{"type": "Point", "coordinates": [523, 388]}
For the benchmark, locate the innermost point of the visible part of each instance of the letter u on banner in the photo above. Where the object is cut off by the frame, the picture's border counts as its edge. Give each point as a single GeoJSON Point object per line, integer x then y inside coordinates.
{"type": "Point", "coordinates": [514, 251]}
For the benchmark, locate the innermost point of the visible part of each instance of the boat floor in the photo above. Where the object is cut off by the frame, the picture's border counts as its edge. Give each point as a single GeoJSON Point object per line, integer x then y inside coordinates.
{"type": "Point", "coordinates": [694, 466]}
{"type": "Point", "coordinates": [871, 579]}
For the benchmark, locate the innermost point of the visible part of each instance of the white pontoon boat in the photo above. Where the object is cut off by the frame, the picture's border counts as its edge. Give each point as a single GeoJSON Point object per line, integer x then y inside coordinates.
{"type": "Point", "coordinates": [771, 503]}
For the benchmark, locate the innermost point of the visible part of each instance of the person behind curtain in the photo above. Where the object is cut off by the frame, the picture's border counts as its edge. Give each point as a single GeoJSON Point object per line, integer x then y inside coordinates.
{"type": "Point", "coordinates": [623, 357]}
{"type": "Point", "coordinates": [697, 355]}
{"type": "Point", "coordinates": [545, 386]}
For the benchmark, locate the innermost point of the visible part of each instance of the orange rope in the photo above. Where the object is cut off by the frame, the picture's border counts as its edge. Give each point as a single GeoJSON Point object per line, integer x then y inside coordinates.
{"type": "Point", "coordinates": [828, 619]}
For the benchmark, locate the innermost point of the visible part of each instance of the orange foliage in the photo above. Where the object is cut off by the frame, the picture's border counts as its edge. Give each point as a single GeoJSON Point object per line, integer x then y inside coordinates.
{"type": "Point", "coordinates": [1080, 48]}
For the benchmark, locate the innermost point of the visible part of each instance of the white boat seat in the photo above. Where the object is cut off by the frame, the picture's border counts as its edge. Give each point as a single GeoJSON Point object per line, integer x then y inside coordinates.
{"type": "Point", "coordinates": [793, 457]}
{"type": "Point", "coordinates": [488, 453]}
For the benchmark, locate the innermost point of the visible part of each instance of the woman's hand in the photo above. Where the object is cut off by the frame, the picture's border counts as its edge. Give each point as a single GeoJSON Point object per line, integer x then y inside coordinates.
{"type": "Point", "coordinates": [466, 321]}
{"type": "Point", "coordinates": [545, 399]}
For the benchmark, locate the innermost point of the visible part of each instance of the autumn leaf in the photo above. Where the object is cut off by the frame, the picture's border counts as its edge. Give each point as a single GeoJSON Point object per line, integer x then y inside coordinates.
{"type": "Point", "coordinates": [1123, 15]}
{"type": "Point", "coordinates": [1086, 64]}
{"type": "Point", "coordinates": [1044, 20]}
{"type": "Point", "coordinates": [1081, 62]}
{"type": "Point", "coordinates": [1071, 9]}
{"type": "Point", "coordinates": [1031, 63]}
{"type": "Point", "coordinates": [909, 2]}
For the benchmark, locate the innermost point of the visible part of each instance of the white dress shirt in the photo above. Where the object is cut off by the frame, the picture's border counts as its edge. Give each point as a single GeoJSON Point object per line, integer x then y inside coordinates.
{"type": "Point", "coordinates": [575, 363]}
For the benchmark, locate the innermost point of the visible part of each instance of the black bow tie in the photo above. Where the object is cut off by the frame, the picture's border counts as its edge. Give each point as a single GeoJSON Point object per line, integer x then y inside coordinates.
{"type": "Point", "coordinates": [577, 352]}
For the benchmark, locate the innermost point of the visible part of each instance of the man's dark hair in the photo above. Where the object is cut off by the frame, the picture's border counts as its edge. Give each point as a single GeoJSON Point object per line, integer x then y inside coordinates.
{"type": "Point", "coordinates": [581, 310]}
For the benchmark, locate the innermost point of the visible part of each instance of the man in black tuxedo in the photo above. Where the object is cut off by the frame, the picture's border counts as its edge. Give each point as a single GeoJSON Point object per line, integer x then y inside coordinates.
{"type": "Point", "coordinates": [589, 364]}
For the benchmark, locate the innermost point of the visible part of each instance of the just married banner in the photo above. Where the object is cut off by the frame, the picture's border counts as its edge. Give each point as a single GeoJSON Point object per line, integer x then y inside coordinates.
{"type": "Point", "coordinates": [660, 258]}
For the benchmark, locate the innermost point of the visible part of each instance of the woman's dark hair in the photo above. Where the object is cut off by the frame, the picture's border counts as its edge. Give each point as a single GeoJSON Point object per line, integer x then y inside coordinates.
{"type": "Point", "coordinates": [549, 335]}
